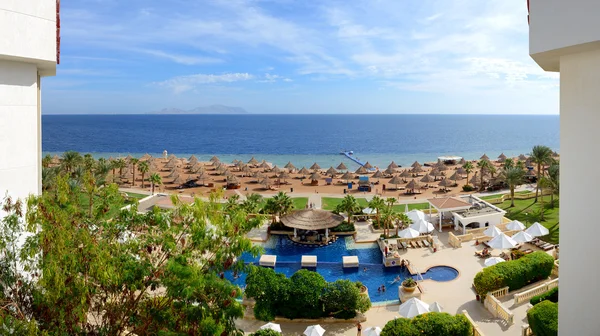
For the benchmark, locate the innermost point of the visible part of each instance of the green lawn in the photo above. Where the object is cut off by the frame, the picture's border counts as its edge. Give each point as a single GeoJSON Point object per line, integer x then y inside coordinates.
{"type": "Point", "coordinates": [329, 203]}
{"type": "Point", "coordinates": [491, 196]}
{"type": "Point", "coordinates": [416, 206]}
{"type": "Point", "coordinates": [300, 202]}
{"type": "Point", "coordinates": [528, 212]}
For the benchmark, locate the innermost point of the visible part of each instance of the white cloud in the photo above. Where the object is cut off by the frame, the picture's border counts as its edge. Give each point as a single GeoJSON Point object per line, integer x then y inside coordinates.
{"type": "Point", "coordinates": [181, 84]}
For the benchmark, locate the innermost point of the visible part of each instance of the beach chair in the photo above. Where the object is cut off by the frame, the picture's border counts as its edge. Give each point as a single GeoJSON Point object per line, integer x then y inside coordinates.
{"type": "Point", "coordinates": [425, 243]}
{"type": "Point", "coordinates": [404, 246]}
{"type": "Point", "coordinates": [417, 243]}
{"type": "Point", "coordinates": [411, 244]}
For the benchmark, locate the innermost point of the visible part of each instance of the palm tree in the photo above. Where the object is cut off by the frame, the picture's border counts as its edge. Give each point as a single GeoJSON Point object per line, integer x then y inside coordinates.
{"type": "Point", "coordinates": [143, 167]}
{"type": "Point", "coordinates": [349, 205]}
{"type": "Point", "coordinates": [404, 219]}
{"type": "Point", "coordinates": [513, 177]}
{"type": "Point", "coordinates": [46, 161]}
{"type": "Point", "coordinates": [540, 155]}
{"type": "Point", "coordinates": [377, 203]}
{"type": "Point", "coordinates": [252, 203]}
{"type": "Point", "coordinates": [468, 167]}
{"type": "Point", "coordinates": [121, 164]}
{"type": "Point", "coordinates": [88, 162]}
{"type": "Point", "coordinates": [133, 162]}
{"type": "Point", "coordinates": [101, 171]}
{"type": "Point", "coordinates": [508, 163]}
{"type": "Point", "coordinates": [154, 179]}
{"type": "Point", "coordinates": [520, 164]}
{"type": "Point", "coordinates": [283, 203]}
{"type": "Point", "coordinates": [484, 167]}
{"type": "Point", "coordinates": [554, 180]}
{"type": "Point", "coordinates": [390, 201]}
{"type": "Point", "coordinates": [69, 160]}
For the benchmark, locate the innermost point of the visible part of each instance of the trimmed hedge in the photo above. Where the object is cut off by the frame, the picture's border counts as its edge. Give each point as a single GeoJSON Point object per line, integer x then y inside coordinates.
{"type": "Point", "coordinates": [344, 227]}
{"type": "Point", "coordinates": [551, 295]}
{"type": "Point", "coordinates": [543, 319]}
{"type": "Point", "coordinates": [430, 324]}
{"type": "Point", "coordinates": [515, 273]}
{"type": "Point", "coordinates": [266, 332]}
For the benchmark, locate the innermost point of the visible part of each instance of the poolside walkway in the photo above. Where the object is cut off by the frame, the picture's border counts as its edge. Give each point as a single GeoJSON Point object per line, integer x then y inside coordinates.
{"type": "Point", "coordinates": [364, 233]}
{"type": "Point", "coordinates": [455, 296]}
{"type": "Point", "coordinates": [315, 199]}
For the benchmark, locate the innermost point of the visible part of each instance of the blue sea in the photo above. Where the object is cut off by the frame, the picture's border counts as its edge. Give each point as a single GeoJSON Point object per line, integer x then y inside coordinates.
{"type": "Point", "coordinates": [302, 139]}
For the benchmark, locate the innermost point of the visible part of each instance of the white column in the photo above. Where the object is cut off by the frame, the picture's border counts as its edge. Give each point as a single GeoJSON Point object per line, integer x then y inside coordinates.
{"type": "Point", "coordinates": [295, 233]}
{"type": "Point", "coordinates": [326, 234]}
{"type": "Point", "coordinates": [579, 134]}
{"type": "Point", "coordinates": [440, 216]}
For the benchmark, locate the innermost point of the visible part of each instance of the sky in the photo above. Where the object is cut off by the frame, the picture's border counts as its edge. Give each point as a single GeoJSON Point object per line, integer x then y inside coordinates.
{"type": "Point", "coordinates": [289, 56]}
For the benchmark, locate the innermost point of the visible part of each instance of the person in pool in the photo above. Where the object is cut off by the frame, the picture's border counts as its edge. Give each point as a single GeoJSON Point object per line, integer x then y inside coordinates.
{"type": "Point", "coordinates": [395, 280]}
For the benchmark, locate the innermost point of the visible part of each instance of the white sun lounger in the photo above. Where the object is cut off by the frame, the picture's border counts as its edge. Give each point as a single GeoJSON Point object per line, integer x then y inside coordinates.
{"type": "Point", "coordinates": [350, 261]}
{"type": "Point", "coordinates": [309, 261]}
{"type": "Point", "coordinates": [267, 260]}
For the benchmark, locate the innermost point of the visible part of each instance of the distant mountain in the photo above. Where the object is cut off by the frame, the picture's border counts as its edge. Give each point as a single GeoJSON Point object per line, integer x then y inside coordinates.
{"type": "Point", "coordinates": [213, 109]}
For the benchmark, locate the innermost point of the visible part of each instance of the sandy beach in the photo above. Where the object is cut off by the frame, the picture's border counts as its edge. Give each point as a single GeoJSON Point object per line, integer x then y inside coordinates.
{"type": "Point", "coordinates": [249, 177]}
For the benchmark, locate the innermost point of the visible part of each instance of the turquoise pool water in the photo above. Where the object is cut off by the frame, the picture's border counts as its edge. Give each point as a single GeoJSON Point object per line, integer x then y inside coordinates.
{"type": "Point", "coordinates": [330, 265]}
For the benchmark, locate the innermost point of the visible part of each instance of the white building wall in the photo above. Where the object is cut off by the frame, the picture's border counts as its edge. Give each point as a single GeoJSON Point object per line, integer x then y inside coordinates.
{"type": "Point", "coordinates": [565, 36]}
{"type": "Point", "coordinates": [27, 51]}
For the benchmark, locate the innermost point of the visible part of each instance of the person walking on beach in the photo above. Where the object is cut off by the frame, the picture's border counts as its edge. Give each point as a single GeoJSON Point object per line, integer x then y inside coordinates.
{"type": "Point", "coordinates": [358, 329]}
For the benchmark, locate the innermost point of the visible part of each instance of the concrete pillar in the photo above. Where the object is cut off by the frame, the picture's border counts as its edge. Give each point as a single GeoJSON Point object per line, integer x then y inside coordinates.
{"type": "Point", "coordinates": [295, 233]}
{"type": "Point", "coordinates": [326, 234]}
{"type": "Point", "coordinates": [440, 216]}
{"type": "Point", "coordinates": [579, 134]}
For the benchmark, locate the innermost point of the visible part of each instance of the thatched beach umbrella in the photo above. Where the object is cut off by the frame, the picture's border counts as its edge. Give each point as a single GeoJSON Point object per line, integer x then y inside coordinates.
{"type": "Point", "coordinates": [393, 165]}
{"type": "Point", "coordinates": [145, 157]}
{"type": "Point", "coordinates": [347, 176]}
{"type": "Point", "coordinates": [522, 157]}
{"type": "Point", "coordinates": [378, 174]}
{"type": "Point", "coordinates": [462, 161]}
{"type": "Point", "coordinates": [502, 157]}
{"type": "Point", "coordinates": [171, 164]}
{"type": "Point", "coordinates": [435, 172]}
{"type": "Point", "coordinates": [475, 180]}
{"type": "Point", "coordinates": [202, 176]}
{"type": "Point", "coordinates": [416, 164]}
{"type": "Point", "coordinates": [555, 154]}
{"type": "Point", "coordinates": [413, 184]}
{"type": "Point", "coordinates": [446, 183]}
{"type": "Point", "coordinates": [331, 171]}
{"type": "Point", "coordinates": [405, 173]}
{"type": "Point", "coordinates": [231, 179]}
{"type": "Point", "coordinates": [216, 163]}
{"type": "Point", "coordinates": [276, 170]}
{"type": "Point", "coordinates": [461, 171]}
{"type": "Point", "coordinates": [174, 173]}
{"type": "Point", "coordinates": [368, 165]}
{"type": "Point", "coordinates": [235, 161]}
{"type": "Point", "coordinates": [395, 181]}
{"type": "Point", "coordinates": [484, 157]}
{"type": "Point", "coordinates": [441, 166]}
{"type": "Point", "coordinates": [342, 166]}
{"type": "Point", "coordinates": [128, 157]}
{"type": "Point", "coordinates": [266, 182]}
{"type": "Point", "coordinates": [214, 159]}
{"type": "Point", "coordinates": [456, 177]}
{"type": "Point", "coordinates": [258, 176]}
{"type": "Point", "coordinates": [315, 166]}
{"type": "Point", "coordinates": [264, 165]}
{"type": "Point", "coordinates": [390, 171]}
{"type": "Point", "coordinates": [247, 171]}
{"type": "Point", "coordinates": [177, 180]}
{"type": "Point", "coordinates": [303, 171]}
{"type": "Point", "coordinates": [427, 179]}
{"type": "Point", "coordinates": [253, 161]}
{"type": "Point", "coordinates": [56, 159]}
{"type": "Point", "coordinates": [283, 176]}
{"type": "Point", "coordinates": [193, 158]}
{"type": "Point", "coordinates": [361, 170]}
{"type": "Point", "coordinates": [172, 156]}
{"type": "Point", "coordinates": [417, 169]}
{"type": "Point", "coordinates": [289, 166]}
{"type": "Point", "coordinates": [315, 177]}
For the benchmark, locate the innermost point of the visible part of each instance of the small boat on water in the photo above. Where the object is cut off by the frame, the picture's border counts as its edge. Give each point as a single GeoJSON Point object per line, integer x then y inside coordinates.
{"type": "Point", "coordinates": [346, 152]}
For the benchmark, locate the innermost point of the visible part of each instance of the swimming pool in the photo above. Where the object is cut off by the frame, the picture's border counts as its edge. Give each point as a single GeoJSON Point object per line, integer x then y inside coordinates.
{"type": "Point", "coordinates": [330, 265]}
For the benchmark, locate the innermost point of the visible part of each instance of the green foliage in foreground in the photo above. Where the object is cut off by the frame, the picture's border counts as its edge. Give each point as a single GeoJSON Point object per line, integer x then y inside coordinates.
{"type": "Point", "coordinates": [344, 227]}
{"type": "Point", "coordinates": [266, 332]}
{"type": "Point", "coordinates": [430, 324]}
{"type": "Point", "coordinates": [515, 273]}
{"type": "Point", "coordinates": [543, 318]}
{"type": "Point", "coordinates": [305, 295]}
{"type": "Point", "coordinates": [551, 295]}
{"type": "Point", "coordinates": [95, 274]}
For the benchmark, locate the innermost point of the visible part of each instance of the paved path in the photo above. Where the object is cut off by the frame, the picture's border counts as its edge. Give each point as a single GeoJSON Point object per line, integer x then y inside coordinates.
{"type": "Point", "coordinates": [242, 196]}
{"type": "Point", "coordinates": [315, 199]}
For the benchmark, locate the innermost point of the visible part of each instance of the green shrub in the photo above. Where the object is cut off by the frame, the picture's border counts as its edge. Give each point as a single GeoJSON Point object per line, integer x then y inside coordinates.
{"type": "Point", "coordinates": [269, 289]}
{"type": "Point", "coordinates": [341, 299]}
{"type": "Point", "coordinates": [551, 295]}
{"type": "Point", "coordinates": [305, 295]}
{"type": "Point", "coordinates": [344, 227]}
{"type": "Point", "coordinates": [468, 187]}
{"type": "Point", "coordinates": [266, 332]}
{"type": "Point", "coordinates": [430, 324]}
{"type": "Point", "coordinates": [543, 318]}
{"type": "Point", "coordinates": [515, 273]}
